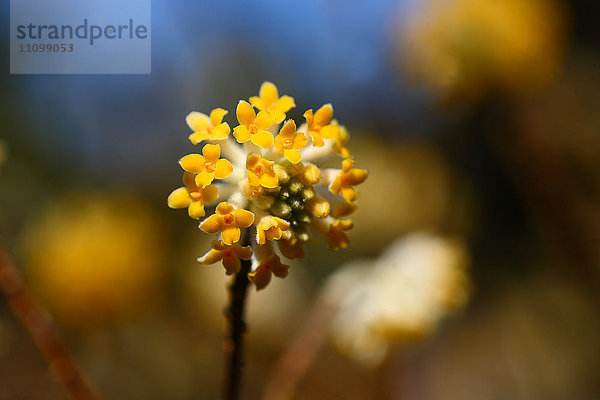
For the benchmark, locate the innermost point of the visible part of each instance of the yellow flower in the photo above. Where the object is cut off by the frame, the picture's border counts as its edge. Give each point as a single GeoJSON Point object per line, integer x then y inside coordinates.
{"type": "Point", "coordinates": [291, 249]}
{"type": "Point", "coordinates": [253, 127]}
{"type": "Point", "coordinates": [206, 127]}
{"type": "Point", "coordinates": [288, 142]}
{"type": "Point", "coordinates": [192, 196]}
{"type": "Point", "coordinates": [208, 166]}
{"type": "Point", "coordinates": [228, 221]}
{"type": "Point", "coordinates": [337, 237]}
{"type": "Point", "coordinates": [340, 142]}
{"type": "Point", "coordinates": [348, 178]}
{"type": "Point", "coordinates": [271, 266]}
{"type": "Point", "coordinates": [96, 258]}
{"type": "Point", "coordinates": [230, 255]}
{"type": "Point", "coordinates": [261, 172]}
{"type": "Point", "coordinates": [269, 100]}
{"type": "Point", "coordinates": [271, 228]}
{"type": "Point", "coordinates": [319, 126]}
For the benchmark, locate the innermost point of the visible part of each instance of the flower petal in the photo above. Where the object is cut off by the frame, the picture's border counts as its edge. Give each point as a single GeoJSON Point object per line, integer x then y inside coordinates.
{"type": "Point", "coordinates": [258, 102]}
{"type": "Point", "coordinates": [223, 169]}
{"type": "Point", "coordinates": [336, 185]}
{"type": "Point", "coordinates": [264, 120]}
{"type": "Point", "coordinates": [196, 210]}
{"type": "Point", "coordinates": [288, 129]}
{"type": "Point", "coordinates": [252, 160]}
{"type": "Point", "coordinates": [211, 152]}
{"type": "Point", "coordinates": [241, 133]}
{"type": "Point", "coordinates": [243, 218]}
{"type": "Point", "coordinates": [330, 132]}
{"type": "Point", "coordinates": [349, 193]}
{"type": "Point", "coordinates": [300, 141]}
{"type": "Point", "coordinates": [268, 93]}
{"type": "Point", "coordinates": [179, 198]}
{"type": "Point", "coordinates": [245, 113]}
{"type": "Point", "coordinates": [197, 121]}
{"type": "Point", "coordinates": [277, 116]}
{"type": "Point", "coordinates": [204, 179]}
{"type": "Point", "coordinates": [216, 116]}
{"type": "Point", "coordinates": [211, 257]}
{"type": "Point", "coordinates": [243, 252]}
{"type": "Point", "coordinates": [261, 277]}
{"type": "Point", "coordinates": [269, 180]}
{"type": "Point", "coordinates": [212, 224]}
{"type": "Point", "coordinates": [232, 264]}
{"type": "Point", "coordinates": [324, 115]}
{"type": "Point", "coordinates": [224, 208]}
{"type": "Point", "coordinates": [220, 132]}
{"type": "Point", "coordinates": [308, 115]}
{"type": "Point", "coordinates": [197, 137]}
{"type": "Point", "coordinates": [209, 194]}
{"type": "Point", "coordinates": [230, 235]}
{"type": "Point", "coordinates": [317, 139]}
{"type": "Point", "coordinates": [263, 139]}
{"type": "Point", "coordinates": [285, 103]}
{"type": "Point", "coordinates": [192, 163]}
{"type": "Point", "coordinates": [292, 155]}
{"type": "Point", "coordinates": [356, 176]}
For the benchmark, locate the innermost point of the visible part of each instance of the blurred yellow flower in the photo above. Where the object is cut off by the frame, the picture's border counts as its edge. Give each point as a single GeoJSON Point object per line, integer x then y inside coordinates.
{"type": "Point", "coordinates": [400, 297]}
{"type": "Point", "coordinates": [463, 47]}
{"type": "Point", "coordinates": [95, 258]}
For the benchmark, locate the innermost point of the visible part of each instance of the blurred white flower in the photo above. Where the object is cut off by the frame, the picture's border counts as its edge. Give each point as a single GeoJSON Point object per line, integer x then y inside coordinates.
{"type": "Point", "coordinates": [398, 298]}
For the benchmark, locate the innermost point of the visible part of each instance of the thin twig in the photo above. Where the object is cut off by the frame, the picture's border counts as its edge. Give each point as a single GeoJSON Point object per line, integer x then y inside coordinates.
{"type": "Point", "coordinates": [43, 331]}
{"type": "Point", "coordinates": [236, 329]}
{"type": "Point", "coordinates": [295, 362]}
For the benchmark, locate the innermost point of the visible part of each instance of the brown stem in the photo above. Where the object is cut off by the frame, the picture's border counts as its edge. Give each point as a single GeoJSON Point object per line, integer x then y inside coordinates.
{"type": "Point", "coordinates": [236, 329]}
{"type": "Point", "coordinates": [295, 362]}
{"type": "Point", "coordinates": [43, 331]}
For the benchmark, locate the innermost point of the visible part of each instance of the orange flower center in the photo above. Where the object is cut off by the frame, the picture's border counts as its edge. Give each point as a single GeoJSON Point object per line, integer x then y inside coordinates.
{"type": "Point", "coordinates": [196, 196]}
{"type": "Point", "coordinates": [210, 166]}
{"type": "Point", "coordinates": [258, 170]}
{"type": "Point", "coordinates": [253, 129]}
{"type": "Point", "coordinates": [228, 219]}
{"type": "Point", "coordinates": [227, 252]}
{"type": "Point", "coordinates": [288, 143]}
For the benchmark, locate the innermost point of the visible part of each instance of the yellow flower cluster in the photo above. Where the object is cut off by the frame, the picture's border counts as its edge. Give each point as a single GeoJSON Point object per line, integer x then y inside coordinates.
{"type": "Point", "coordinates": [268, 176]}
{"type": "Point", "coordinates": [461, 48]}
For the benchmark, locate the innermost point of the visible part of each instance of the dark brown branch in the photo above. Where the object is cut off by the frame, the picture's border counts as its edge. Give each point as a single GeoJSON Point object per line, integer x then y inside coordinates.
{"type": "Point", "coordinates": [235, 331]}
{"type": "Point", "coordinates": [42, 330]}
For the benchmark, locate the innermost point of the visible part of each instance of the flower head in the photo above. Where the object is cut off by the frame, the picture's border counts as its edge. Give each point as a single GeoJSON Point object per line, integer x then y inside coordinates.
{"type": "Point", "coordinates": [273, 189]}
{"type": "Point", "coordinates": [261, 171]}
{"type": "Point", "coordinates": [208, 127]}
{"type": "Point", "coordinates": [207, 166]}
{"type": "Point", "coordinates": [228, 221]}
{"type": "Point", "coordinates": [231, 255]}
{"type": "Point", "coordinates": [268, 100]}
{"type": "Point", "coordinates": [192, 196]}
{"type": "Point", "coordinates": [346, 180]}
{"type": "Point", "coordinates": [319, 126]}
{"type": "Point", "coordinates": [288, 142]}
{"type": "Point", "coordinates": [253, 127]}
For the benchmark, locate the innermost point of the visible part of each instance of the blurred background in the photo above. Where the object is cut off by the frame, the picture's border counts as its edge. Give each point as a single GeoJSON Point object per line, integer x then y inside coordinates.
{"type": "Point", "coordinates": [474, 265]}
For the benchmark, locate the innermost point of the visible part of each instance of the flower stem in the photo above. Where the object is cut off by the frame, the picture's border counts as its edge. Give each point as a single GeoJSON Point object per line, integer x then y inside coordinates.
{"type": "Point", "coordinates": [44, 333]}
{"type": "Point", "coordinates": [236, 329]}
